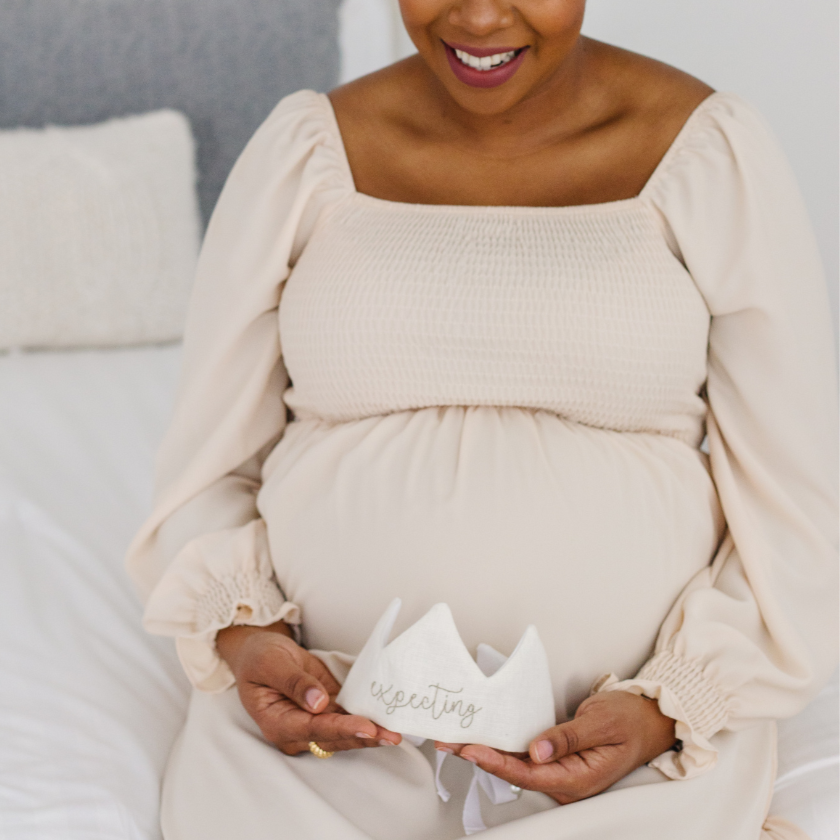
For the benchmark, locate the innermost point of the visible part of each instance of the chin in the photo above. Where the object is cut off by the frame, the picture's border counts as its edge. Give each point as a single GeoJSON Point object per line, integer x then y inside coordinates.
{"type": "Point", "coordinates": [482, 101]}
{"type": "Point", "coordinates": [490, 102]}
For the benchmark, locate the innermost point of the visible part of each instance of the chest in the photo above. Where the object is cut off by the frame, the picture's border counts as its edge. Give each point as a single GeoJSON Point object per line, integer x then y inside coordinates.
{"type": "Point", "coordinates": [602, 165]}
{"type": "Point", "coordinates": [581, 311]}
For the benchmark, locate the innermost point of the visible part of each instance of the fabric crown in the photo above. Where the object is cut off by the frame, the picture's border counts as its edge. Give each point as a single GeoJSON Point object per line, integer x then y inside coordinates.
{"type": "Point", "coordinates": [425, 683]}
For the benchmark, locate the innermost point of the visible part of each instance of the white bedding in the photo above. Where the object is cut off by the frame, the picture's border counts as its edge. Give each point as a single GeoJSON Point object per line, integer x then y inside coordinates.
{"type": "Point", "coordinates": [89, 704]}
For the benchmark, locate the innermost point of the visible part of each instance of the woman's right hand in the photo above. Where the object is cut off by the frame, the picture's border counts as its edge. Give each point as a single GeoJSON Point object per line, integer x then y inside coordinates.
{"type": "Point", "coordinates": [291, 694]}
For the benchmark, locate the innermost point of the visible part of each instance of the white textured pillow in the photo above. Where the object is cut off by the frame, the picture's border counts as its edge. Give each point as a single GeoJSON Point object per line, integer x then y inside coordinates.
{"type": "Point", "coordinates": [99, 232]}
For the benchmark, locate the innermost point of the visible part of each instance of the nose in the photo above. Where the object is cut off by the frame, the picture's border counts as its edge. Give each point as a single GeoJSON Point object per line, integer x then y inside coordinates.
{"type": "Point", "coordinates": [481, 17]}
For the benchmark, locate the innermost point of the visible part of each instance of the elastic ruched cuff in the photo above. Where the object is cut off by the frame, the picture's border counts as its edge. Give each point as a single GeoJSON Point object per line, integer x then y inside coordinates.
{"type": "Point", "coordinates": [685, 694]}
{"type": "Point", "coordinates": [215, 581]}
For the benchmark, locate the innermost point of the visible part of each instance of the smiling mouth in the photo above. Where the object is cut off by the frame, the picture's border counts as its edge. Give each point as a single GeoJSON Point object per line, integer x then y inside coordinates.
{"type": "Point", "coordinates": [484, 67]}
{"type": "Point", "coordinates": [486, 62]}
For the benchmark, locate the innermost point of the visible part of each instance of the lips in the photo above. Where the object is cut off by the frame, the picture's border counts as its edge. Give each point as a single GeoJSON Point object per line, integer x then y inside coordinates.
{"type": "Point", "coordinates": [480, 77]}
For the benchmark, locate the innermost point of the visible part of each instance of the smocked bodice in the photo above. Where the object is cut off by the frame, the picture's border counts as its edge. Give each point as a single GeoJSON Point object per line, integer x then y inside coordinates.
{"type": "Point", "coordinates": [581, 311]}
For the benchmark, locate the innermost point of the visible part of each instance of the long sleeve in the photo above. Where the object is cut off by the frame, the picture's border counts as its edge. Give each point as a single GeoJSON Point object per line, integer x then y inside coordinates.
{"type": "Point", "coordinates": [754, 636]}
{"type": "Point", "coordinates": [201, 561]}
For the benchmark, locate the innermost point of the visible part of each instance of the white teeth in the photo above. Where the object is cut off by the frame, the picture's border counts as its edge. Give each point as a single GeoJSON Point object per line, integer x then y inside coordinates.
{"type": "Point", "coordinates": [489, 62]}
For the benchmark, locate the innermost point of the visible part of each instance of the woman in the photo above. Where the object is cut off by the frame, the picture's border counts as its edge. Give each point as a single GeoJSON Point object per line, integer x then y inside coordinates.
{"type": "Point", "coordinates": [523, 274]}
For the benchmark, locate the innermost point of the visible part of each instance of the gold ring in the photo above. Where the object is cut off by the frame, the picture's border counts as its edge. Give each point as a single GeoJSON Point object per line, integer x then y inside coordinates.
{"type": "Point", "coordinates": [318, 752]}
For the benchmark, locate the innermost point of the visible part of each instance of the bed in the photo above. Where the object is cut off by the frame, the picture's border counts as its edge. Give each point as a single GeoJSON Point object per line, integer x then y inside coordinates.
{"type": "Point", "coordinates": [90, 704]}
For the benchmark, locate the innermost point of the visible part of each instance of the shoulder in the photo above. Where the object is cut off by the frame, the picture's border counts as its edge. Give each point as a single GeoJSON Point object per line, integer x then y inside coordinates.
{"type": "Point", "coordinates": [679, 107]}
{"type": "Point", "coordinates": [372, 102]}
{"type": "Point", "coordinates": [651, 101]}
{"type": "Point", "coordinates": [297, 141]}
{"type": "Point", "coordinates": [644, 83]}
{"type": "Point", "coordinates": [293, 154]}
{"type": "Point", "coordinates": [690, 132]}
{"type": "Point", "coordinates": [299, 124]}
{"type": "Point", "coordinates": [303, 111]}
{"type": "Point", "coordinates": [382, 119]}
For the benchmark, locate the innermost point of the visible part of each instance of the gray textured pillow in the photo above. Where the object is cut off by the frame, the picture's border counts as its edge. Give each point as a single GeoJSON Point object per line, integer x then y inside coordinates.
{"type": "Point", "coordinates": [224, 63]}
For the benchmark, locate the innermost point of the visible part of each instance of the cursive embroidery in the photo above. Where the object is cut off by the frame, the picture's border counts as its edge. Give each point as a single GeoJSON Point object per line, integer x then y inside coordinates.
{"type": "Point", "coordinates": [438, 703]}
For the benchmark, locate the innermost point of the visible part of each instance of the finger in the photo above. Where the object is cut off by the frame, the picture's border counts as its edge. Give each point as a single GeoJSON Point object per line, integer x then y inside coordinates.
{"type": "Point", "coordinates": [338, 727]}
{"type": "Point", "coordinates": [323, 674]}
{"type": "Point", "coordinates": [283, 674]}
{"type": "Point", "coordinates": [507, 767]}
{"type": "Point", "coordinates": [367, 728]}
{"type": "Point", "coordinates": [283, 723]}
{"type": "Point", "coordinates": [380, 734]}
{"type": "Point", "coordinates": [364, 728]}
{"type": "Point", "coordinates": [455, 749]}
{"type": "Point", "coordinates": [566, 781]}
{"type": "Point", "coordinates": [446, 747]}
{"type": "Point", "coordinates": [356, 743]}
{"type": "Point", "coordinates": [383, 737]}
{"type": "Point", "coordinates": [585, 732]}
{"type": "Point", "coordinates": [587, 773]}
{"type": "Point", "coordinates": [386, 738]}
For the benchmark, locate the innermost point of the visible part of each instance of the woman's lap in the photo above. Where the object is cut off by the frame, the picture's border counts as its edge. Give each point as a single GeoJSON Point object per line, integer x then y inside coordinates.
{"type": "Point", "coordinates": [223, 781]}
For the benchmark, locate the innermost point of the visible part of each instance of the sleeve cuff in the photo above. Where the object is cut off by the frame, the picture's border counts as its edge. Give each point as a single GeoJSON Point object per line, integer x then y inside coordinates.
{"type": "Point", "coordinates": [685, 694]}
{"type": "Point", "coordinates": [217, 580]}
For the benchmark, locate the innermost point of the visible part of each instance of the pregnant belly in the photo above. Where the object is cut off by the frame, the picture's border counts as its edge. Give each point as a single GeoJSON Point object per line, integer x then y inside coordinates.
{"type": "Point", "coordinates": [512, 517]}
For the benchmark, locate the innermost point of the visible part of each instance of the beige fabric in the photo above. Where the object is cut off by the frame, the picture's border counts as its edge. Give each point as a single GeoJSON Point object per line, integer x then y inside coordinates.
{"type": "Point", "coordinates": [224, 781]}
{"type": "Point", "coordinates": [778, 828]}
{"type": "Point", "coordinates": [501, 408]}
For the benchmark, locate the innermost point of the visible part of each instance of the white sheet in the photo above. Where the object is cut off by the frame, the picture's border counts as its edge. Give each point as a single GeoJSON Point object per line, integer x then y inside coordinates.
{"type": "Point", "coordinates": [89, 704]}
{"type": "Point", "coordinates": [808, 783]}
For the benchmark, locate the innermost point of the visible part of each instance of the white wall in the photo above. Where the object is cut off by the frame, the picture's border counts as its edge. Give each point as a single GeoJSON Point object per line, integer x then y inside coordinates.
{"type": "Point", "coordinates": [372, 35]}
{"type": "Point", "coordinates": [779, 54]}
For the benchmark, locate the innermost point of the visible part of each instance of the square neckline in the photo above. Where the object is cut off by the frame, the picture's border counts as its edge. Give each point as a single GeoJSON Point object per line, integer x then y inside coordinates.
{"type": "Point", "coordinates": [560, 209]}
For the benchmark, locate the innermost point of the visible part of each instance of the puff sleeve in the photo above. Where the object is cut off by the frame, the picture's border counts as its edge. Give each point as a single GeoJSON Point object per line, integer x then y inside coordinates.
{"type": "Point", "coordinates": [201, 561]}
{"type": "Point", "coordinates": [754, 636]}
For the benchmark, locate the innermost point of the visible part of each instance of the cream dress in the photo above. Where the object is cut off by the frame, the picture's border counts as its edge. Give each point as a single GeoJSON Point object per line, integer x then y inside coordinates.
{"type": "Point", "coordinates": [502, 408]}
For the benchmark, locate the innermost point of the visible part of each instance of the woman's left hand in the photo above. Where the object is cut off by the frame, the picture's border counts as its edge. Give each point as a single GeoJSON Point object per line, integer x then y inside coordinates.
{"type": "Point", "coordinates": [611, 735]}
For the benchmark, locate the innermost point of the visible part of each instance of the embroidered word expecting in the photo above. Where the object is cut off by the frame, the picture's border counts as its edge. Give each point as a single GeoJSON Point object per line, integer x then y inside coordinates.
{"type": "Point", "coordinates": [438, 703]}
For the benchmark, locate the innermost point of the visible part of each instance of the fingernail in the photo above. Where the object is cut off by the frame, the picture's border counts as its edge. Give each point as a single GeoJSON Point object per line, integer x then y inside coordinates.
{"type": "Point", "coordinates": [543, 750]}
{"type": "Point", "coordinates": [364, 735]}
{"type": "Point", "coordinates": [446, 750]}
{"type": "Point", "coordinates": [313, 698]}
{"type": "Point", "coordinates": [386, 744]}
{"type": "Point", "coordinates": [469, 758]}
